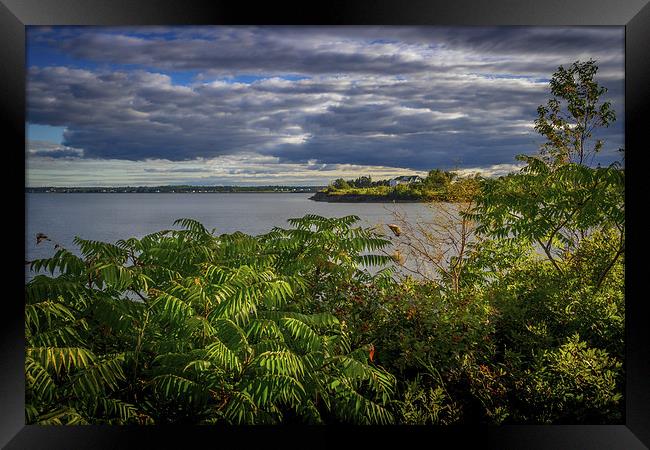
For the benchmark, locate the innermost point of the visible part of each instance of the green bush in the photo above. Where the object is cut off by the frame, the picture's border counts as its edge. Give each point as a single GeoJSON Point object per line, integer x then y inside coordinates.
{"type": "Point", "coordinates": [423, 404]}
{"type": "Point", "coordinates": [573, 384]}
{"type": "Point", "coordinates": [188, 327]}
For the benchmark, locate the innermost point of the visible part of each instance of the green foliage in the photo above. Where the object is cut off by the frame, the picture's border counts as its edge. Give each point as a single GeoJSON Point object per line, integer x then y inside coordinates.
{"type": "Point", "coordinates": [553, 207]}
{"type": "Point", "coordinates": [438, 179]}
{"type": "Point", "coordinates": [426, 405]}
{"type": "Point", "coordinates": [362, 182]}
{"type": "Point", "coordinates": [182, 326]}
{"type": "Point", "coordinates": [325, 251]}
{"type": "Point", "coordinates": [553, 201]}
{"type": "Point", "coordinates": [439, 186]}
{"type": "Point", "coordinates": [340, 183]}
{"type": "Point", "coordinates": [532, 294]}
{"type": "Point", "coordinates": [570, 117]}
{"type": "Point", "coordinates": [574, 384]}
{"type": "Point", "coordinates": [546, 266]}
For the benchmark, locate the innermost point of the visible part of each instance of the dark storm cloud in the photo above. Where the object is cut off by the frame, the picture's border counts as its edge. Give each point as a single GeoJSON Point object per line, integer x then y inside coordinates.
{"type": "Point", "coordinates": [251, 51]}
{"type": "Point", "coordinates": [316, 50]}
{"type": "Point", "coordinates": [394, 96]}
{"type": "Point", "coordinates": [421, 151]}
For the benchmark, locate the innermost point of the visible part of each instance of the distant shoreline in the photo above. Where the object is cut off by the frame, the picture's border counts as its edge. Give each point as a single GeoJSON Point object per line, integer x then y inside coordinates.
{"type": "Point", "coordinates": [176, 190]}
{"type": "Point", "coordinates": [360, 198]}
{"type": "Point", "coordinates": [182, 192]}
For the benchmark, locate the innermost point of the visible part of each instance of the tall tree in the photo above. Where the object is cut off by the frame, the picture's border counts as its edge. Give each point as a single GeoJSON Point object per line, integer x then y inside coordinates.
{"type": "Point", "coordinates": [340, 183]}
{"type": "Point", "coordinates": [570, 117]}
{"type": "Point", "coordinates": [439, 179]}
{"type": "Point", "coordinates": [556, 200]}
{"type": "Point", "coordinates": [363, 181]}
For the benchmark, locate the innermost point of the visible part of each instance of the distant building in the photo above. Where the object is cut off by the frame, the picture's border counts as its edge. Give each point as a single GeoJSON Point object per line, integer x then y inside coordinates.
{"type": "Point", "coordinates": [405, 180]}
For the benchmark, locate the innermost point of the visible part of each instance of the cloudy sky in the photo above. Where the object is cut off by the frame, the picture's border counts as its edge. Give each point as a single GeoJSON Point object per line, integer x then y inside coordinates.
{"type": "Point", "coordinates": [295, 105]}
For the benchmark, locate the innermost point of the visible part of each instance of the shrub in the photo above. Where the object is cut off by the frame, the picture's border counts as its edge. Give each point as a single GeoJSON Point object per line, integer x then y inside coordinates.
{"type": "Point", "coordinates": [573, 384]}
{"type": "Point", "coordinates": [188, 327]}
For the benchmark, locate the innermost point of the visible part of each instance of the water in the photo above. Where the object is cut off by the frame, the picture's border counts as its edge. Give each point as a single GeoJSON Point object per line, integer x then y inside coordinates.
{"type": "Point", "coordinates": [109, 217]}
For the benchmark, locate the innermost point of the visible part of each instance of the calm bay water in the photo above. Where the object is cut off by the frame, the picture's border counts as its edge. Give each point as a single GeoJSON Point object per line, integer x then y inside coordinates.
{"type": "Point", "coordinates": [109, 217]}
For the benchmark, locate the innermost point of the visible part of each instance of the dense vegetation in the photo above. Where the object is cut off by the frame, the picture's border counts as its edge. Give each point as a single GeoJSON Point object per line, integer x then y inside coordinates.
{"type": "Point", "coordinates": [521, 321]}
{"type": "Point", "coordinates": [438, 185]}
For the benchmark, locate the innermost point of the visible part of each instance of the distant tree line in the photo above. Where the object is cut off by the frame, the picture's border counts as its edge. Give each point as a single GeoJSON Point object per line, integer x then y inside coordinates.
{"type": "Point", "coordinates": [438, 185]}
{"type": "Point", "coordinates": [360, 182]}
{"type": "Point", "coordinates": [435, 179]}
{"type": "Point", "coordinates": [174, 189]}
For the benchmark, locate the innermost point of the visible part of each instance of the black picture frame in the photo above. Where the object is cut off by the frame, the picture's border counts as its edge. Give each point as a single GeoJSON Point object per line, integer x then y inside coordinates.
{"type": "Point", "coordinates": [633, 14]}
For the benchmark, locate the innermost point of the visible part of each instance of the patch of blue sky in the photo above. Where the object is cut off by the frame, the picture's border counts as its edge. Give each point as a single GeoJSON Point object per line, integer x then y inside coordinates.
{"type": "Point", "coordinates": [167, 33]}
{"type": "Point", "coordinates": [293, 77]}
{"type": "Point", "coordinates": [42, 55]}
{"type": "Point", "coordinates": [246, 79]}
{"type": "Point", "coordinates": [45, 133]}
{"type": "Point", "coordinates": [383, 41]}
{"type": "Point", "coordinates": [249, 78]}
{"type": "Point", "coordinates": [184, 78]}
{"type": "Point", "coordinates": [509, 76]}
{"type": "Point", "coordinates": [154, 33]}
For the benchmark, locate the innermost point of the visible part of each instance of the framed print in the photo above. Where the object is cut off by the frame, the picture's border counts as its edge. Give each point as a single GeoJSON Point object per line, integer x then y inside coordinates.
{"type": "Point", "coordinates": [365, 218]}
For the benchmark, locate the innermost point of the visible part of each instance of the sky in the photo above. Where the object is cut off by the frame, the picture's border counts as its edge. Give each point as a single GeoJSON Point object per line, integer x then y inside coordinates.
{"type": "Point", "coordinates": [224, 105]}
